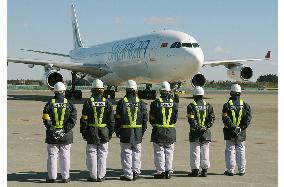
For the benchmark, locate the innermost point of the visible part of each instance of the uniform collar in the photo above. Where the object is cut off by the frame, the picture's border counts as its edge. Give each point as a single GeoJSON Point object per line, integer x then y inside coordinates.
{"type": "Point", "coordinates": [235, 98]}
{"type": "Point", "coordinates": [59, 95]}
{"type": "Point", "coordinates": [96, 95]}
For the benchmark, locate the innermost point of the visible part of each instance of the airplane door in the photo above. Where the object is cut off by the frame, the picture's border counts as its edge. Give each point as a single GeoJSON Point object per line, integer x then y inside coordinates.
{"type": "Point", "coordinates": [153, 52]}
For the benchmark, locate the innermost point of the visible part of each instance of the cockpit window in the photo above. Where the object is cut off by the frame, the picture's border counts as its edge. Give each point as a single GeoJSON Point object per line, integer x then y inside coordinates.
{"type": "Point", "coordinates": [195, 45]}
{"type": "Point", "coordinates": [187, 45]}
{"type": "Point", "coordinates": [176, 45]}
{"type": "Point", "coordinates": [190, 45]}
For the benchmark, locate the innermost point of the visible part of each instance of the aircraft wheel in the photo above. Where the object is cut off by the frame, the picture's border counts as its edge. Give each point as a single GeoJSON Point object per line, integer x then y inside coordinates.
{"type": "Point", "coordinates": [153, 94]}
{"type": "Point", "coordinates": [112, 94]}
{"type": "Point", "coordinates": [68, 94]}
{"type": "Point", "coordinates": [77, 94]}
{"type": "Point", "coordinates": [141, 94]}
{"type": "Point", "coordinates": [176, 98]}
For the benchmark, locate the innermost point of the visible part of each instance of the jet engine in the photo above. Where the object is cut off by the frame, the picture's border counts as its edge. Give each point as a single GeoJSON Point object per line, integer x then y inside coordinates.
{"type": "Point", "coordinates": [198, 80]}
{"type": "Point", "coordinates": [51, 77]}
{"type": "Point", "coordinates": [240, 73]}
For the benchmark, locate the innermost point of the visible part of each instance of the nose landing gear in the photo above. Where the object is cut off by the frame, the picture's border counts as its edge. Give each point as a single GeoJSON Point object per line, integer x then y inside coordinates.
{"type": "Point", "coordinates": [73, 93]}
{"type": "Point", "coordinates": [109, 93]}
{"type": "Point", "coordinates": [147, 93]}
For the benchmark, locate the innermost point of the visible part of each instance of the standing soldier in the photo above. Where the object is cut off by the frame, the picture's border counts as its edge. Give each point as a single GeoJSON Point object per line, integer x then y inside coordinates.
{"type": "Point", "coordinates": [130, 125]}
{"type": "Point", "coordinates": [59, 117]}
{"type": "Point", "coordinates": [96, 126]}
{"type": "Point", "coordinates": [236, 118]}
{"type": "Point", "coordinates": [163, 116]}
{"type": "Point", "coordinates": [200, 117]}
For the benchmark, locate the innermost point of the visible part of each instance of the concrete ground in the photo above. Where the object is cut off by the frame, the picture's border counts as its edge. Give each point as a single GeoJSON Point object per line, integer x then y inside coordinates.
{"type": "Point", "coordinates": [27, 150]}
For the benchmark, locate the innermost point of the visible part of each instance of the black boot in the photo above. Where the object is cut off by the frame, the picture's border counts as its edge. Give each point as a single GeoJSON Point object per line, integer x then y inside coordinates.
{"type": "Point", "coordinates": [90, 179]}
{"type": "Point", "coordinates": [66, 180]}
{"type": "Point", "coordinates": [168, 175]}
{"type": "Point", "coordinates": [160, 175]}
{"type": "Point", "coordinates": [228, 173]}
{"type": "Point", "coordinates": [50, 181]}
{"type": "Point", "coordinates": [194, 173]}
{"type": "Point", "coordinates": [101, 179]}
{"type": "Point", "coordinates": [203, 173]}
{"type": "Point", "coordinates": [123, 178]}
{"type": "Point", "coordinates": [136, 176]}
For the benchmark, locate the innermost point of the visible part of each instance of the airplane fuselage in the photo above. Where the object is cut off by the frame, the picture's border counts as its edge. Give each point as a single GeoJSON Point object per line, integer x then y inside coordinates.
{"type": "Point", "coordinates": [153, 58]}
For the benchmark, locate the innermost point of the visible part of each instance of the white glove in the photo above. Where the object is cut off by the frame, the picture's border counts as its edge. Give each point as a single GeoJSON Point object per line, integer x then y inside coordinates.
{"type": "Point", "coordinates": [59, 133]}
{"type": "Point", "coordinates": [238, 130]}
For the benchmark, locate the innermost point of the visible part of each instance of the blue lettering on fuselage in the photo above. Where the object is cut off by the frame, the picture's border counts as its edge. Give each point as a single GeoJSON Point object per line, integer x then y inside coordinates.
{"type": "Point", "coordinates": [122, 51]}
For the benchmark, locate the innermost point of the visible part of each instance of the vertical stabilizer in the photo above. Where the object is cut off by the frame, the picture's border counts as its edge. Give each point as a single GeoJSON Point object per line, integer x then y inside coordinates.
{"type": "Point", "coordinates": [76, 33]}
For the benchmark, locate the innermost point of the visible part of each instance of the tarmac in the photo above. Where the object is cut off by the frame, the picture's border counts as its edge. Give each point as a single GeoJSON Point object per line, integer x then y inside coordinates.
{"type": "Point", "coordinates": [27, 151]}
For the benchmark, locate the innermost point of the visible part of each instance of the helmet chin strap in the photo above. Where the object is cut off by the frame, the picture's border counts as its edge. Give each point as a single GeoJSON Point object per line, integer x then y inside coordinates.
{"type": "Point", "coordinates": [164, 93]}
{"type": "Point", "coordinates": [98, 91]}
{"type": "Point", "coordinates": [130, 92]}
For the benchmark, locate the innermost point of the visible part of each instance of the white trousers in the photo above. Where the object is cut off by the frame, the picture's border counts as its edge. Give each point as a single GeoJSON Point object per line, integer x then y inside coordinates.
{"type": "Point", "coordinates": [163, 157]}
{"type": "Point", "coordinates": [63, 151]}
{"type": "Point", "coordinates": [96, 156]}
{"type": "Point", "coordinates": [199, 155]}
{"type": "Point", "coordinates": [235, 153]}
{"type": "Point", "coordinates": [130, 158]}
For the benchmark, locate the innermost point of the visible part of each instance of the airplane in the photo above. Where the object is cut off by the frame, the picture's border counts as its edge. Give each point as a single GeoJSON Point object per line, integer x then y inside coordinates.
{"type": "Point", "coordinates": [149, 59]}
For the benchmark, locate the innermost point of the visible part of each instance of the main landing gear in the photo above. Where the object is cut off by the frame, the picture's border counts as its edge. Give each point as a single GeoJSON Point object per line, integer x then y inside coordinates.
{"type": "Point", "coordinates": [147, 93]}
{"type": "Point", "coordinates": [109, 93]}
{"type": "Point", "coordinates": [175, 86]}
{"type": "Point", "coordinates": [72, 93]}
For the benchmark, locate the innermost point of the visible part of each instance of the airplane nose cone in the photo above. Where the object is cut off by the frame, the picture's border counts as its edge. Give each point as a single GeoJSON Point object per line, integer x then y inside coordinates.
{"type": "Point", "coordinates": [195, 58]}
{"type": "Point", "coordinates": [199, 56]}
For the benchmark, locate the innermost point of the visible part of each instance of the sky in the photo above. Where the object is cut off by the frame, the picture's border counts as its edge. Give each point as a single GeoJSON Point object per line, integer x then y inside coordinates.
{"type": "Point", "coordinates": [225, 29]}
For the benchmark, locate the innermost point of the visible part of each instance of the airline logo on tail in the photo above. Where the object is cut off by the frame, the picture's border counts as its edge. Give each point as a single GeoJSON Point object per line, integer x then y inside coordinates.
{"type": "Point", "coordinates": [76, 34]}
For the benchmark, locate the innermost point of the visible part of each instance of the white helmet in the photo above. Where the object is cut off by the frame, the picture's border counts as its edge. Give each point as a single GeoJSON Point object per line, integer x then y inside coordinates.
{"type": "Point", "coordinates": [59, 87]}
{"type": "Point", "coordinates": [198, 90]}
{"type": "Point", "coordinates": [236, 88]}
{"type": "Point", "coordinates": [98, 84]}
{"type": "Point", "coordinates": [165, 86]}
{"type": "Point", "coordinates": [131, 84]}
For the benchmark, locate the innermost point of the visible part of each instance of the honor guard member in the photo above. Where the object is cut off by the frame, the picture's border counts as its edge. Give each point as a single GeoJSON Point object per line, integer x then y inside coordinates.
{"type": "Point", "coordinates": [236, 118]}
{"type": "Point", "coordinates": [59, 117]}
{"type": "Point", "coordinates": [97, 127]}
{"type": "Point", "coordinates": [200, 117]}
{"type": "Point", "coordinates": [130, 124]}
{"type": "Point", "coordinates": [163, 116]}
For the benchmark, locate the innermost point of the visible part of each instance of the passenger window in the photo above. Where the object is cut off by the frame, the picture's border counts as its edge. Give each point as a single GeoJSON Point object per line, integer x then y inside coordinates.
{"type": "Point", "coordinates": [187, 45]}
{"type": "Point", "coordinates": [195, 45]}
{"type": "Point", "coordinates": [178, 45]}
{"type": "Point", "coordinates": [164, 45]}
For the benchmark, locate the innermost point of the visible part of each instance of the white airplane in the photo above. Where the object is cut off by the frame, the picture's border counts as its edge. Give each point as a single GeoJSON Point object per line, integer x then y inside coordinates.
{"type": "Point", "coordinates": [165, 55]}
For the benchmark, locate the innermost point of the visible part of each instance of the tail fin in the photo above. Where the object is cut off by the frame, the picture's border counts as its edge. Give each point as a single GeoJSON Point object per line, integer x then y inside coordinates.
{"type": "Point", "coordinates": [76, 33]}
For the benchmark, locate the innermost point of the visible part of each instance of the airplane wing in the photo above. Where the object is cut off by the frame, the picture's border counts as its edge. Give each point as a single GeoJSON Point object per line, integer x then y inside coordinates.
{"type": "Point", "coordinates": [46, 52]}
{"type": "Point", "coordinates": [98, 70]}
{"type": "Point", "coordinates": [237, 62]}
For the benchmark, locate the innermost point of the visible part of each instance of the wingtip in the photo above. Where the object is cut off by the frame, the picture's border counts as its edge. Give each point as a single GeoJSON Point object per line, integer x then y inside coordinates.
{"type": "Point", "coordinates": [268, 55]}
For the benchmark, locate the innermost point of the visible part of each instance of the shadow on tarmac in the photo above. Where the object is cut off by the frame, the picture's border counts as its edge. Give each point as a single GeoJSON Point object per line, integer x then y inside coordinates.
{"type": "Point", "coordinates": [78, 175]}
{"type": "Point", "coordinates": [45, 98]}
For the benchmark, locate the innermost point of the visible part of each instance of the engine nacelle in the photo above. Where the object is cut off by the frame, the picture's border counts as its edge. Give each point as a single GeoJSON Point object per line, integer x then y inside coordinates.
{"type": "Point", "coordinates": [198, 80]}
{"type": "Point", "coordinates": [240, 73]}
{"type": "Point", "coordinates": [31, 65]}
{"type": "Point", "coordinates": [51, 77]}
